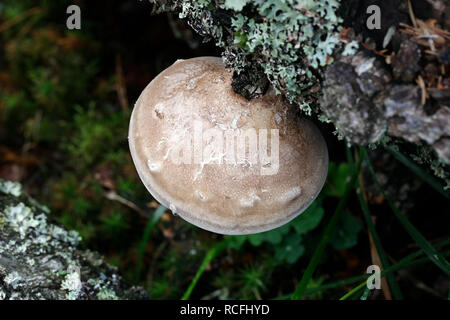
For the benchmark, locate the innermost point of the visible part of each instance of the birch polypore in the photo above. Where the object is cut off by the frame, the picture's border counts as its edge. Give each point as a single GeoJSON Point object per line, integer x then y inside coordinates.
{"type": "Point", "coordinates": [219, 161]}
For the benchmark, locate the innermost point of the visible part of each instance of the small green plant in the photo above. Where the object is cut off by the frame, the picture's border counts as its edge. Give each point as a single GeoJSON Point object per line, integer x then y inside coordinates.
{"type": "Point", "coordinates": [252, 282]}
{"type": "Point", "coordinates": [286, 241]}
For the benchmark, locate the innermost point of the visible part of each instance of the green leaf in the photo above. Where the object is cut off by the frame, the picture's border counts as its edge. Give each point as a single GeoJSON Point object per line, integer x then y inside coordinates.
{"type": "Point", "coordinates": [336, 179]}
{"type": "Point", "coordinates": [236, 242]}
{"type": "Point", "coordinates": [291, 249]}
{"type": "Point", "coordinates": [347, 233]}
{"type": "Point", "coordinates": [309, 219]}
{"type": "Point", "coordinates": [273, 236]}
{"type": "Point", "coordinates": [255, 239]}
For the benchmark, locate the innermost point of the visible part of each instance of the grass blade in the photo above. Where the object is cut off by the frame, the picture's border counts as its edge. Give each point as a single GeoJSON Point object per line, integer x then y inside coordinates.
{"type": "Point", "coordinates": [328, 233]}
{"type": "Point", "coordinates": [409, 261]}
{"type": "Point", "coordinates": [376, 239]}
{"type": "Point", "coordinates": [210, 255]}
{"type": "Point", "coordinates": [422, 174]}
{"type": "Point", "coordinates": [365, 294]}
{"type": "Point", "coordinates": [404, 264]}
{"type": "Point", "coordinates": [353, 291]}
{"type": "Point", "coordinates": [146, 236]}
{"type": "Point", "coordinates": [421, 241]}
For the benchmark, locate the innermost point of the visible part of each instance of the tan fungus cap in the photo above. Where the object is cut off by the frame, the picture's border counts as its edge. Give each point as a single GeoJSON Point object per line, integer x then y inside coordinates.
{"type": "Point", "coordinates": [184, 136]}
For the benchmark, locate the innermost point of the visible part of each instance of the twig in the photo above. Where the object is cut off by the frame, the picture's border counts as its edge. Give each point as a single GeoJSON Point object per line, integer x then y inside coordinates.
{"type": "Point", "coordinates": [373, 249]}
{"type": "Point", "coordinates": [411, 14]}
{"type": "Point", "coordinates": [423, 89]}
{"type": "Point", "coordinates": [11, 22]}
{"type": "Point", "coordinates": [112, 195]}
{"type": "Point", "coordinates": [120, 84]}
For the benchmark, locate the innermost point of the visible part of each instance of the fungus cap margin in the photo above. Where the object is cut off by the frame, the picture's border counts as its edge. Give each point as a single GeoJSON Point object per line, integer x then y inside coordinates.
{"type": "Point", "coordinates": [238, 200]}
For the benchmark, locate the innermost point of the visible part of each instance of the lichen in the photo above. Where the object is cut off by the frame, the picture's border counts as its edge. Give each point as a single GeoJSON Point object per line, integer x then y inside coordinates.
{"type": "Point", "coordinates": [40, 259]}
{"type": "Point", "coordinates": [72, 283]}
{"type": "Point", "coordinates": [20, 217]}
{"type": "Point", "coordinates": [107, 294]}
{"type": "Point", "coordinates": [9, 187]}
{"type": "Point", "coordinates": [291, 40]}
{"type": "Point", "coordinates": [350, 48]}
{"type": "Point", "coordinates": [12, 279]}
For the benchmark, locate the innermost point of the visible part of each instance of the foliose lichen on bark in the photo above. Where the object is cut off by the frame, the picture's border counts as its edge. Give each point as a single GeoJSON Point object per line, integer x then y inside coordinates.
{"type": "Point", "coordinates": [289, 40]}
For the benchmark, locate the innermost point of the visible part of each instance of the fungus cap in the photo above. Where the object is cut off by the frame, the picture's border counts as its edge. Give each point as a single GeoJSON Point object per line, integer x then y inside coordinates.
{"type": "Point", "coordinates": [219, 161]}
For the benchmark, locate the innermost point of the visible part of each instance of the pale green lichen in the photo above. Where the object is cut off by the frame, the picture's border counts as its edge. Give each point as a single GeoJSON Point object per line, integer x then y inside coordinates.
{"type": "Point", "coordinates": [36, 253]}
{"type": "Point", "coordinates": [236, 5]}
{"type": "Point", "coordinates": [350, 48]}
{"type": "Point", "coordinates": [34, 203]}
{"type": "Point", "coordinates": [287, 34]}
{"type": "Point", "coordinates": [13, 279]}
{"type": "Point", "coordinates": [103, 288]}
{"type": "Point", "coordinates": [201, 7]}
{"type": "Point", "coordinates": [12, 188]}
{"type": "Point", "coordinates": [107, 294]}
{"type": "Point", "coordinates": [21, 218]}
{"type": "Point", "coordinates": [424, 156]}
{"type": "Point", "coordinates": [72, 283]}
{"type": "Point", "coordinates": [292, 40]}
{"type": "Point", "coordinates": [30, 261]}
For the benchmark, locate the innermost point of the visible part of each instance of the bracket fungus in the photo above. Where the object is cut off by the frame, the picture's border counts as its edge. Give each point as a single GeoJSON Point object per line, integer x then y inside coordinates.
{"type": "Point", "coordinates": [219, 161]}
